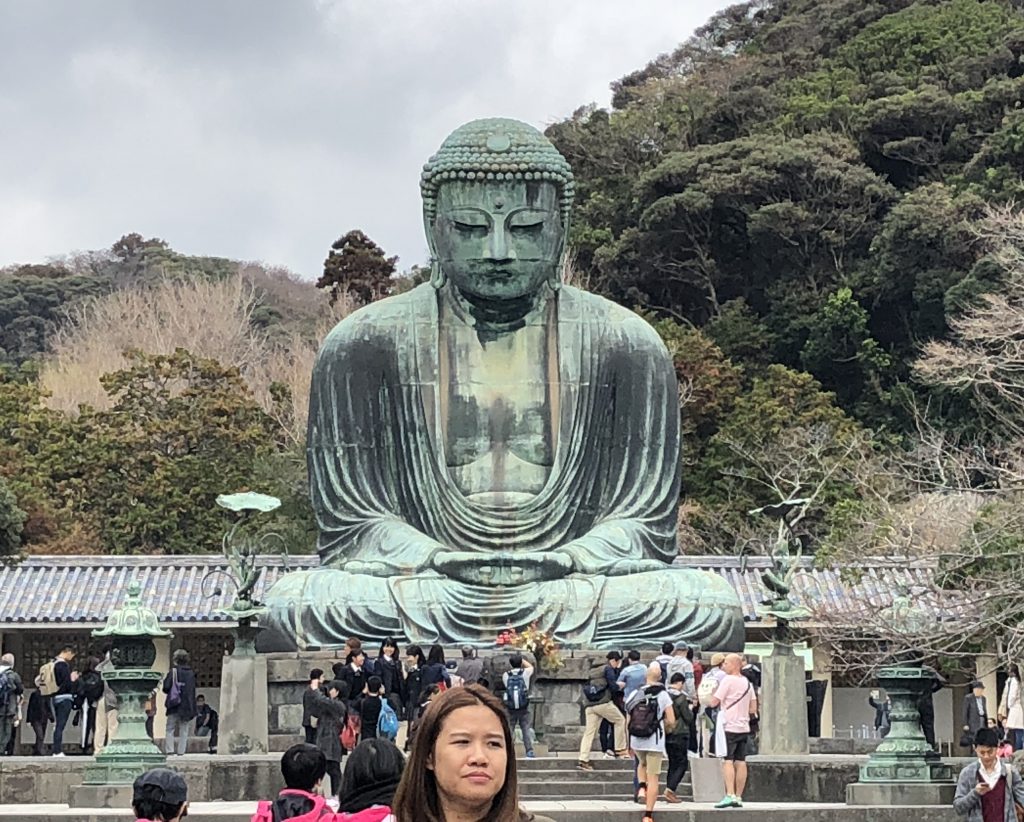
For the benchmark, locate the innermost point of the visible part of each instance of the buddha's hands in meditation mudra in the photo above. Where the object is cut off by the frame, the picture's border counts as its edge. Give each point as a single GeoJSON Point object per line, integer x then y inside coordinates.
{"type": "Point", "coordinates": [503, 567]}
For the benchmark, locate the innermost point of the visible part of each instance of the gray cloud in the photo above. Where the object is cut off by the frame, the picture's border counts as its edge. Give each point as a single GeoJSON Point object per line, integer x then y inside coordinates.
{"type": "Point", "coordinates": [262, 129]}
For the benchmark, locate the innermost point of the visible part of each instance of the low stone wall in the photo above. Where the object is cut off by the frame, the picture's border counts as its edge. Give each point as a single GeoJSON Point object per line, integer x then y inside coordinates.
{"type": "Point", "coordinates": [48, 780]}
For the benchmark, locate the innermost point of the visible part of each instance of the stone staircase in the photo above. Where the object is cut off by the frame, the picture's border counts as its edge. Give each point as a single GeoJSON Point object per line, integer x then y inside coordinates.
{"type": "Point", "coordinates": [548, 778]}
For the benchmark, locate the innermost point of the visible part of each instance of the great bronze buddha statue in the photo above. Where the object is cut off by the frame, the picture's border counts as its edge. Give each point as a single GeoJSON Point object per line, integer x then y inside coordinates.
{"type": "Point", "coordinates": [496, 448]}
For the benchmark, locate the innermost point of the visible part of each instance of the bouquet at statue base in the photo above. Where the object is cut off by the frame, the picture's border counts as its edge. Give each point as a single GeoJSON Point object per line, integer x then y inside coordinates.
{"type": "Point", "coordinates": [539, 643]}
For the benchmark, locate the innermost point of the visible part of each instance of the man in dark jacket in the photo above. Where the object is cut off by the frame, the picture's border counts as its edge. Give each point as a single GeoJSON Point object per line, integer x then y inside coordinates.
{"type": "Point", "coordinates": [975, 713]}
{"type": "Point", "coordinates": [598, 705]}
{"type": "Point", "coordinates": [11, 690]}
{"type": "Point", "coordinates": [471, 667]}
{"type": "Point", "coordinates": [207, 722]}
{"type": "Point", "coordinates": [308, 700]}
{"type": "Point", "coordinates": [64, 699]}
{"type": "Point", "coordinates": [180, 703]}
{"type": "Point", "coordinates": [611, 675]}
{"type": "Point", "coordinates": [330, 710]}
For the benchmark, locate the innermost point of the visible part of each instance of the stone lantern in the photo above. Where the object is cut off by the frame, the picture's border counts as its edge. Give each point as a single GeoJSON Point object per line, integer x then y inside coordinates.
{"type": "Point", "coordinates": [903, 769]}
{"type": "Point", "coordinates": [131, 630]}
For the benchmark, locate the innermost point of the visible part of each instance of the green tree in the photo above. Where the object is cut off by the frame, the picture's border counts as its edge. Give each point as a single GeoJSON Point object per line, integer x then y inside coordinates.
{"type": "Point", "coordinates": [357, 265]}
{"type": "Point", "coordinates": [181, 430]}
{"type": "Point", "coordinates": [12, 520]}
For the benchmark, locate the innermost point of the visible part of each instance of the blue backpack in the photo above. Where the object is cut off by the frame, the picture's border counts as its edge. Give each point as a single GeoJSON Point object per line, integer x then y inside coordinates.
{"type": "Point", "coordinates": [387, 722]}
{"type": "Point", "coordinates": [515, 691]}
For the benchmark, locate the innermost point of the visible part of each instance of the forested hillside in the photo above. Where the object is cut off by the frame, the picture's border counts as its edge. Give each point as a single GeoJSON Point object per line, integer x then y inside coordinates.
{"type": "Point", "coordinates": [812, 200]}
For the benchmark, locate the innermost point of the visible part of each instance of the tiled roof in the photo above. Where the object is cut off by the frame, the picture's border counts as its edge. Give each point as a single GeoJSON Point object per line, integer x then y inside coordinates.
{"type": "Point", "coordinates": [65, 589]}
{"type": "Point", "coordinates": [85, 589]}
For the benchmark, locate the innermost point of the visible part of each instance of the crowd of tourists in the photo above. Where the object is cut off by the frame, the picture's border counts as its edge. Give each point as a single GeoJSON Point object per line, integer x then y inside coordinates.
{"type": "Point", "coordinates": [460, 765]}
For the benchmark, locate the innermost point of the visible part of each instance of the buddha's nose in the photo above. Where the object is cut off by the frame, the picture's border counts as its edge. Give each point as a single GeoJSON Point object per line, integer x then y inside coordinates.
{"type": "Point", "coordinates": [498, 247]}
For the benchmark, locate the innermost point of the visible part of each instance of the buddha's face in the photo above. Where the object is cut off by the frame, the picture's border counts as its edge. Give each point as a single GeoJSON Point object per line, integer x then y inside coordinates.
{"type": "Point", "coordinates": [498, 240]}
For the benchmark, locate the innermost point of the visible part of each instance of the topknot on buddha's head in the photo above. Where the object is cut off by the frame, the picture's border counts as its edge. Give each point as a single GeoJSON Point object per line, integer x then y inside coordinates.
{"type": "Point", "coordinates": [496, 149]}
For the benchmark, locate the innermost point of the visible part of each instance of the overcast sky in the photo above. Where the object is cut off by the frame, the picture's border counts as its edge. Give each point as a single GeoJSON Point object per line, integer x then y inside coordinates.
{"type": "Point", "coordinates": [265, 129]}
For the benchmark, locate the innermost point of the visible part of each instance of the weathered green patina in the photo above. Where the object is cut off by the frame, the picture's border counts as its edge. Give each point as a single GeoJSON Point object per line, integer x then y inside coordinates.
{"type": "Point", "coordinates": [494, 447]}
{"type": "Point", "coordinates": [131, 630]}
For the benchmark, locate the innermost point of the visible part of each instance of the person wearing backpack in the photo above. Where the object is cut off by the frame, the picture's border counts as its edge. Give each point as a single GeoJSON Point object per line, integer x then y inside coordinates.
{"type": "Point", "coordinates": [599, 708]}
{"type": "Point", "coordinates": [65, 681]}
{"type": "Point", "coordinates": [303, 767]}
{"type": "Point", "coordinates": [517, 698]}
{"type": "Point", "coordinates": [650, 716]}
{"type": "Point", "coordinates": [91, 689]}
{"type": "Point", "coordinates": [677, 738]}
{"type": "Point", "coordinates": [11, 691]}
{"type": "Point", "coordinates": [180, 703]}
{"type": "Point", "coordinates": [331, 710]}
{"type": "Point", "coordinates": [368, 706]}
{"type": "Point", "coordinates": [736, 703]}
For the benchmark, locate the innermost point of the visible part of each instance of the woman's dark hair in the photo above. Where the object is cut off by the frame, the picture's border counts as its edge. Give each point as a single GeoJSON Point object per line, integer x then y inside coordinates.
{"type": "Point", "coordinates": [416, 651]}
{"type": "Point", "coordinates": [180, 657]}
{"type": "Point", "coordinates": [91, 663]}
{"type": "Point", "coordinates": [436, 655]}
{"type": "Point", "coordinates": [390, 640]}
{"type": "Point", "coordinates": [338, 685]}
{"type": "Point", "coordinates": [316, 673]}
{"type": "Point", "coordinates": [416, 799]}
{"type": "Point", "coordinates": [1014, 670]}
{"type": "Point", "coordinates": [338, 668]}
{"type": "Point", "coordinates": [302, 766]}
{"type": "Point", "coordinates": [350, 657]}
{"type": "Point", "coordinates": [157, 811]}
{"type": "Point", "coordinates": [428, 692]}
{"type": "Point", "coordinates": [986, 738]}
{"type": "Point", "coordinates": [371, 776]}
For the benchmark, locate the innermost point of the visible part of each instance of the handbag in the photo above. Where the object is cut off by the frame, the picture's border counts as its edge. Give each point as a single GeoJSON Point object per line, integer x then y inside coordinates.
{"type": "Point", "coordinates": [174, 695]}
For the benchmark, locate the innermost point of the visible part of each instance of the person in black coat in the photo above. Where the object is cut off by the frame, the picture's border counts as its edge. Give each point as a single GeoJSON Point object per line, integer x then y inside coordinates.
{"type": "Point", "coordinates": [388, 667]}
{"type": "Point", "coordinates": [180, 713]}
{"type": "Point", "coordinates": [308, 699]}
{"type": "Point", "coordinates": [414, 665]}
{"type": "Point", "coordinates": [975, 713]}
{"type": "Point", "coordinates": [353, 672]}
{"type": "Point", "coordinates": [330, 710]}
{"type": "Point", "coordinates": [40, 714]}
{"type": "Point", "coordinates": [435, 673]}
{"type": "Point", "coordinates": [369, 706]}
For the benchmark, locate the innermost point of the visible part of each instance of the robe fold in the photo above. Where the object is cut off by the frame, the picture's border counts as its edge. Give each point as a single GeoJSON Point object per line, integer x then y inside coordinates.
{"type": "Point", "coordinates": [385, 503]}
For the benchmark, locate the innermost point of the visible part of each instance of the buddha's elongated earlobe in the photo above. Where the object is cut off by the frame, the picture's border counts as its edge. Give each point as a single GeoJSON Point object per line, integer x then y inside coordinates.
{"type": "Point", "coordinates": [437, 276]}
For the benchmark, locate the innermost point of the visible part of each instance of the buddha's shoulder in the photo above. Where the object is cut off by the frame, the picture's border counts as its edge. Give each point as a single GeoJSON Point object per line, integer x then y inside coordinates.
{"type": "Point", "coordinates": [613, 319]}
{"type": "Point", "coordinates": [376, 324]}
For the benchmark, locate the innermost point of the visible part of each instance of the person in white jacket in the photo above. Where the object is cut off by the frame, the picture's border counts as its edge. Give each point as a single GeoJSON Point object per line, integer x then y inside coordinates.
{"type": "Point", "coordinates": [1011, 711]}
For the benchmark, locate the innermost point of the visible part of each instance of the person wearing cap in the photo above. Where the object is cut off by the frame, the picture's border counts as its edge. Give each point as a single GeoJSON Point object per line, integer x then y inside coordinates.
{"type": "Point", "coordinates": [598, 706]}
{"type": "Point", "coordinates": [679, 663]}
{"type": "Point", "coordinates": [975, 713]}
{"type": "Point", "coordinates": [160, 795]}
{"type": "Point", "coordinates": [471, 668]}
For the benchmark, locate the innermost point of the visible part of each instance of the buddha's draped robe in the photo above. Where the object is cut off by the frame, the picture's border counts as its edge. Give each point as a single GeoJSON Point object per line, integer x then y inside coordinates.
{"type": "Point", "coordinates": [384, 500]}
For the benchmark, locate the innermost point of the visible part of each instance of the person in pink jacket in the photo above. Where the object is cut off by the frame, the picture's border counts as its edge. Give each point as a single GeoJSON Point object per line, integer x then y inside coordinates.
{"type": "Point", "coordinates": [303, 768]}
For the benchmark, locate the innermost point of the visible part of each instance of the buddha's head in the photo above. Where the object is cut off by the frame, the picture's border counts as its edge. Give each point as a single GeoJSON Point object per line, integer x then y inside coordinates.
{"type": "Point", "coordinates": [496, 203]}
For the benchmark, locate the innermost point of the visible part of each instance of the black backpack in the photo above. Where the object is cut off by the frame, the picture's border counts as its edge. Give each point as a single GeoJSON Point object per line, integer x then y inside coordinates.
{"type": "Point", "coordinates": [644, 721]}
{"type": "Point", "coordinates": [684, 715]}
{"type": "Point", "coordinates": [92, 686]}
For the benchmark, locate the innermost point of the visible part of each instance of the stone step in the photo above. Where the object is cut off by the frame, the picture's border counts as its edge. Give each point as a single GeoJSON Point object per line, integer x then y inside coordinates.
{"type": "Point", "coordinates": [604, 810]}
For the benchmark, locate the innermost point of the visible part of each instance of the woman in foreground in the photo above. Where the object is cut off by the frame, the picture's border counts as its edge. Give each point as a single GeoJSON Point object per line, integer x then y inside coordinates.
{"type": "Point", "coordinates": [462, 767]}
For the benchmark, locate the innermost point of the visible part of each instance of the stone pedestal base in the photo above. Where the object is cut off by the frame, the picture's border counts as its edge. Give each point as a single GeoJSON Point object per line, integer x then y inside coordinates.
{"type": "Point", "coordinates": [784, 708]}
{"type": "Point", "coordinates": [900, 793]}
{"type": "Point", "coordinates": [101, 796]}
{"type": "Point", "coordinates": [243, 699]}
{"type": "Point", "coordinates": [707, 779]}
